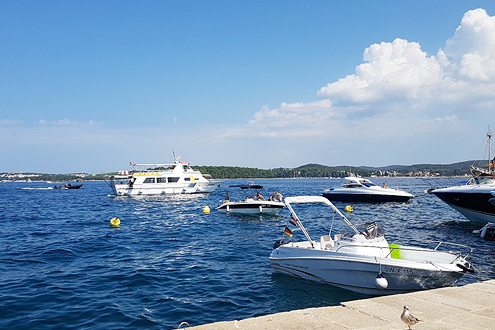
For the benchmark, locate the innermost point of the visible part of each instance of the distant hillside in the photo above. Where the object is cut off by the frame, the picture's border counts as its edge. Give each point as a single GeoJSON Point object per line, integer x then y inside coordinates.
{"type": "Point", "coordinates": [319, 171]}
{"type": "Point", "coordinates": [445, 169]}
{"type": "Point", "coordinates": [304, 171]}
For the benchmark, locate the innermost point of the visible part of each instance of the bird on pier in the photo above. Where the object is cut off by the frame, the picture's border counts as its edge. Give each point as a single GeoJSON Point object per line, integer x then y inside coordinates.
{"type": "Point", "coordinates": [407, 318]}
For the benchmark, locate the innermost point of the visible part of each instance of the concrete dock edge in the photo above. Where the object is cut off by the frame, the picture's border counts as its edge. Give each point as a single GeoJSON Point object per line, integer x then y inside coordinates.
{"type": "Point", "coordinates": [471, 306]}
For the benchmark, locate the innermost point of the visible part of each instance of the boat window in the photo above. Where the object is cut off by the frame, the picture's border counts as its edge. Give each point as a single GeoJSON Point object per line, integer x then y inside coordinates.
{"type": "Point", "coordinates": [161, 180]}
{"type": "Point", "coordinates": [353, 185]}
{"type": "Point", "coordinates": [173, 179]}
{"type": "Point", "coordinates": [187, 179]}
{"type": "Point", "coordinates": [149, 180]}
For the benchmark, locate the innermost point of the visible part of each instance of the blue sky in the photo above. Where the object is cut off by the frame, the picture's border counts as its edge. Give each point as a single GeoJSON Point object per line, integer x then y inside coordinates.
{"type": "Point", "coordinates": [87, 86]}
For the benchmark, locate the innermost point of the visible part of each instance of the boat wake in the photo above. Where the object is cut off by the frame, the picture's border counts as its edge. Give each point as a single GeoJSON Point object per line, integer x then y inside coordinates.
{"type": "Point", "coordinates": [28, 188]}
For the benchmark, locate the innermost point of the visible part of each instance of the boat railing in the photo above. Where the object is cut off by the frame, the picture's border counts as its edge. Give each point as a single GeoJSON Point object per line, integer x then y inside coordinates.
{"type": "Point", "coordinates": [437, 244]}
{"type": "Point", "coordinates": [393, 249]}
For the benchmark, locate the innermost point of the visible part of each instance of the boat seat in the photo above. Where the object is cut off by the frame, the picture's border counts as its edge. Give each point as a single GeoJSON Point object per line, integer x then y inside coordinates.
{"type": "Point", "coordinates": [326, 242]}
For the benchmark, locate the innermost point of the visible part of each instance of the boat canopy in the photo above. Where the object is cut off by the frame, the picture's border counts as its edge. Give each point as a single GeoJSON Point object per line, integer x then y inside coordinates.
{"type": "Point", "coordinates": [315, 199]}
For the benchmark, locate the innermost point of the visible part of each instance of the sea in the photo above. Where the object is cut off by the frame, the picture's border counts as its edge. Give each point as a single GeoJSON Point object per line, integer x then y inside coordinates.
{"type": "Point", "coordinates": [63, 266]}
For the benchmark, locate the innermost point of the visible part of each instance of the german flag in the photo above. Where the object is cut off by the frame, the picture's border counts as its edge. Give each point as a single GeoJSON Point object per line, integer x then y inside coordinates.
{"type": "Point", "coordinates": [288, 232]}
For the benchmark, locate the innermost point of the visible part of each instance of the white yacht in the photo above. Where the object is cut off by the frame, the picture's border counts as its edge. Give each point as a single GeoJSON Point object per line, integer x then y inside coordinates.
{"type": "Point", "coordinates": [158, 179]}
{"type": "Point", "coordinates": [362, 260]}
{"type": "Point", "coordinates": [363, 190]}
{"type": "Point", "coordinates": [476, 199]}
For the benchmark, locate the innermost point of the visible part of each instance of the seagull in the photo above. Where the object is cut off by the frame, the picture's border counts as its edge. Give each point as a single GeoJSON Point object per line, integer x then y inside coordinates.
{"type": "Point", "coordinates": [407, 318]}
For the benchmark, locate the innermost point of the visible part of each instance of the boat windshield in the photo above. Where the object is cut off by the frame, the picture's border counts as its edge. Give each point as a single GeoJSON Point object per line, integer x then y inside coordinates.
{"type": "Point", "coordinates": [367, 183]}
{"type": "Point", "coordinates": [369, 230]}
{"type": "Point", "coordinates": [358, 183]}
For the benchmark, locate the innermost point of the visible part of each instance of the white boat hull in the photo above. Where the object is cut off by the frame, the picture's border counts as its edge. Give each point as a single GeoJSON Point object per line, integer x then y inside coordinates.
{"type": "Point", "coordinates": [358, 273]}
{"type": "Point", "coordinates": [165, 189]}
{"type": "Point", "coordinates": [364, 191]}
{"type": "Point", "coordinates": [251, 207]}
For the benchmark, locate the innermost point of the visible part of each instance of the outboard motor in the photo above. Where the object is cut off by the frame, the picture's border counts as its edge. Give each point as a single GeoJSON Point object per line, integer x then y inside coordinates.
{"type": "Point", "coordinates": [465, 266]}
{"type": "Point", "coordinates": [279, 242]}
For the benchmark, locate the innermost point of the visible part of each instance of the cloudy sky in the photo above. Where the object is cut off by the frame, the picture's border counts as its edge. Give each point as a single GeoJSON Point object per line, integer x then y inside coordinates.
{"type": "Point", "coordinates": [87, 86]}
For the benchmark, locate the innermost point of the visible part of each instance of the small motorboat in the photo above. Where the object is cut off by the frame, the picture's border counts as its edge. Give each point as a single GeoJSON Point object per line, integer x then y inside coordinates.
{"type": "Point", "coordinates": [253, 203]}
{"type": "Point", "coordinates": [69, 186]}
{"type": "Point", "coordinates": [363, 190]}
{"type": "Point", "coordinates": [363, 260]}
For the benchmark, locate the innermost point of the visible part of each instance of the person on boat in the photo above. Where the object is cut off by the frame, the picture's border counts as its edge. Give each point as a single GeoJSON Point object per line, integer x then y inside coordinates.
{"type": "Point", "coordinates": [384, 185]}
{"type": "Point", "coordinates": [276, 197]}
{"type": "Point", "coordinates": [227, 198]}
{"type": "Point", "coordinates": [260, 197]}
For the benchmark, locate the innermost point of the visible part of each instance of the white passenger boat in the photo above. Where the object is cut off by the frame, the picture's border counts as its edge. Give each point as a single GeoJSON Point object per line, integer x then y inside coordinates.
{"type": "Point", "coordinates": [252, 204]}
{"type": "Point", "coordinates": [358, 189]}
{"type": "Point", "coordinates": [158, 179]}
{"type": "Point", "coordinates": [363, 261]}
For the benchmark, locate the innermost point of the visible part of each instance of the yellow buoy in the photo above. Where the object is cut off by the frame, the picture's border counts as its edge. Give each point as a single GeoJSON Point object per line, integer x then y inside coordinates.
{"type": "Point", "coordinates": [206, 209]}
{"type": "Point", "coordinates": [115, 222]}
{"type": "Point", "coordinates": [348, 209]}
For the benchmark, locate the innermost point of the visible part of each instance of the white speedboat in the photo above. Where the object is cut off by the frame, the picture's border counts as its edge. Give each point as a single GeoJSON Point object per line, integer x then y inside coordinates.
{"type": "Point", "coordinates": [363, 261]}
{"type": "Point", "coordinates": [358, 189]}
{"type": "Point", "coordinates": [157, 179]}
{"type": "Point", "coordinates": [476, 199]}
{"type": "Point", "coordinates": [252, 204]}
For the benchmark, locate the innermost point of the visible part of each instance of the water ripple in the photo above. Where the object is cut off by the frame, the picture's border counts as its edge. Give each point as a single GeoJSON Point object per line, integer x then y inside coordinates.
{"type": "Point", "coordinates": [62, 264]}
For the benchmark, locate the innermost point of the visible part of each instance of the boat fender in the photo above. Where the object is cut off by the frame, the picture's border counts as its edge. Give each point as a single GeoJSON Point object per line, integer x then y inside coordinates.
{"type": "Point", "coordinates": [115, 222]}
{"type": "Point", "coordinates": [380, 281]}
{"type": "Point", "coordinates": [465, 266]}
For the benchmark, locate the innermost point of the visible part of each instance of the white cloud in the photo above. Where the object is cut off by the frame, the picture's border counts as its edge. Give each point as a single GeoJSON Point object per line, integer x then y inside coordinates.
{"type": "Point", "coordinates": [396, 71]}
{"type": "Point", "coordinates": [472, 48]}
{"type": "Point", "coordinates": [67, 122]}
{"type": "Point", "coordinates": [397, 84]}
{"type": "Point", "coordinates": [401, 105]}
{"type": "Point", "coordinates": [399, 94]}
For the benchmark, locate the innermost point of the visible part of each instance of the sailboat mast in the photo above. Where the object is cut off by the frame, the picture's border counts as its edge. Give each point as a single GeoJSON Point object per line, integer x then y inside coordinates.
{"type": "Point", "coordinates": [489, 134]}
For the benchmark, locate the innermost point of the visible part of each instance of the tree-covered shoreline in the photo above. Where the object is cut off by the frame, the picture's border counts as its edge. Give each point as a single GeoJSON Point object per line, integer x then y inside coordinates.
{"type": "Point", "coordinates": [304, 171]}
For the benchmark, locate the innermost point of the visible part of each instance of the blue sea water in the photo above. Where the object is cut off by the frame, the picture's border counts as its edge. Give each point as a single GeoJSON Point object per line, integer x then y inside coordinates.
{"type": "Point", "coordinates": [63, 266]}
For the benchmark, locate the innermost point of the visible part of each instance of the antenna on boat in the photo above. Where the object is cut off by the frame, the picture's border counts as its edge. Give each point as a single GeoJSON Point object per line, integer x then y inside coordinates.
{"type": "Point", "coordinates": [489, 134]}
{"type": "Point", "coordinates": [176, 158]}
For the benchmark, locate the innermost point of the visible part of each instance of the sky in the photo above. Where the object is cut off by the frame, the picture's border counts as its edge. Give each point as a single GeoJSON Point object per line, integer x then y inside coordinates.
{"type": "Point", "coordinates": [89, 86]}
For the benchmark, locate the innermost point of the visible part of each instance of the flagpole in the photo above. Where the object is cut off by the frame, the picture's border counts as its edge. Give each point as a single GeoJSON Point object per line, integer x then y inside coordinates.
{"type": "Point", "coordinates": [300, 224]}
